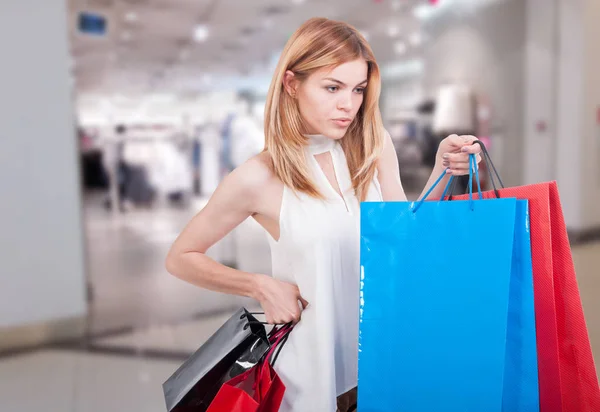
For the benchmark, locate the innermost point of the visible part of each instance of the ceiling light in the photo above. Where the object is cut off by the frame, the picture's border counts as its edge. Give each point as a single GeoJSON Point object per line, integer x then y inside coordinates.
{"type": "Point", "coordinates": [400, 47]}
{"type": "Point", "coordinates": [131, 17]}
{"type": "Point", "coordinates": [297, 1]}
{"type": "Point", "coordinates": [424, 11]}
{"type": "Point", "coordinates": [393, 30]}
{"type": "Point", "coordinates": [201, 33]}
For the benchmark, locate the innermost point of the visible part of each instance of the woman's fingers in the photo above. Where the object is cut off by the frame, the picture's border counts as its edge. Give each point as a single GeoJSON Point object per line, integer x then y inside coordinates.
{"type": "Point", "coordinates": [304, 302]}
{"type": "Point", "coordinates": [456, 159]}
{"type": "Point", "coordinates": [461, 165]}
{"type": "Point", "coordinates": [457, 142]}
{"type": "Point", "coordinates": [471, 148]}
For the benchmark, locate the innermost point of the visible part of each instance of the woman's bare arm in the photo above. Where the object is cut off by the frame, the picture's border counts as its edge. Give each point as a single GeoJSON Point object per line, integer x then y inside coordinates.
{"type": "Point", "coordinates": [235, 200]}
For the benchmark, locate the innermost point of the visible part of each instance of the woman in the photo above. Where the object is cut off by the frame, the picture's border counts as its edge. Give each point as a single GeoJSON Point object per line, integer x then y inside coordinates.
{"type": "Point", "coordinates": [326, 150]}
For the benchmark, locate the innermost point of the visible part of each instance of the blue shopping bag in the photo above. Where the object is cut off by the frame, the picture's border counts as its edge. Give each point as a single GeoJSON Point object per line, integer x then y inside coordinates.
{"type": "Point", "coordinates": [521, 389]}
{"type": "Point", "coordinates": [446, 319]}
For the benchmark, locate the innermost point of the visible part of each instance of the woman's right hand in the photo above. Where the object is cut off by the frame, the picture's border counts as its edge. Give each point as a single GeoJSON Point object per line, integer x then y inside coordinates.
{"type": "Point", "coordinates": [281, 301]}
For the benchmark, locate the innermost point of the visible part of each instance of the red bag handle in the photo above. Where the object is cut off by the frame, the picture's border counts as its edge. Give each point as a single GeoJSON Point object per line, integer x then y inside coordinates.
{"type": "Point", "coordinates": [278, 338]}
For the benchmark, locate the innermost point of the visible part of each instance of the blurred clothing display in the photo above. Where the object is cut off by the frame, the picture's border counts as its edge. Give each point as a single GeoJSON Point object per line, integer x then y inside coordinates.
{"type": "Point", "coordinates": [171, 170]}
{"type": "Point", "coordinates": [455, 110]}
{"type": "Point", "coordinates": [137, 187]}
{"type": "Point", "coordinates": [225, 148]}
{"type": "Point", "coordinates": [418, 129]}
{"type": "Point", "coordinates": [247, 139]}
{"type": "Point", "coordinates": [112, 158]}
{"type": "Point", "coordinates": [147, 164]}
{"type": "Point", "coordinates": [455, 113]}
{"type": "Point", "coordinates": [209, 159]}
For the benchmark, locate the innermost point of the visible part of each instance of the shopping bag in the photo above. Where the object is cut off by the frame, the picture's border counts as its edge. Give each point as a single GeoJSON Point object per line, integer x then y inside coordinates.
{"type": "Point", "coordinates": [234, 349]}
{"type": "Point", "coordinates": [443, 326]}
{"type": "Point", "coordinates": [567, 374]}
{"type": "Point", "coordinates": [257, 390]}
{"type": "Point", "coordinates": [237, 395]}
{"type": "Point", "coordinates": [271, 389]}
{"type": "Point", "coordinates": [521, 385]}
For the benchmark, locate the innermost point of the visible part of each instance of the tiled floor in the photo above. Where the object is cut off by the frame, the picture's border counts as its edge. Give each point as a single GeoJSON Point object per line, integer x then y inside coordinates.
{"type": "Point", "coordinates": [587, 267]}
{"type": "Point", "coordinates": [126, 255]}
{"type": "Point", "coordinates": [61, 381]}
{"type": "Point", "coordinates": [183, 337]}
{"type": "Point", "coordinates": [123, 372]}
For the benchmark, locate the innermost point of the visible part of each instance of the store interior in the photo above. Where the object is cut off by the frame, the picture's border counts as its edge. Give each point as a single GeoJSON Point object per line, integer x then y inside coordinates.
{"type": "Point", "coordinates": [163, 120]}
{"type": "Point", "coordinates": [161, 99]}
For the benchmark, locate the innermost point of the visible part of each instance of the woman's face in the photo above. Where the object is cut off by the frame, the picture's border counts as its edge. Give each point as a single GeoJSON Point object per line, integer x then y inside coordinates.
{"type": "Point", "coordinates": [330, 98]}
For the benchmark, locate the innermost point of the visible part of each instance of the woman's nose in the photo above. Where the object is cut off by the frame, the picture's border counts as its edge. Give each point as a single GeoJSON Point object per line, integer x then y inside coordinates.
{"type": "Point", "coordinates": [345, 102]}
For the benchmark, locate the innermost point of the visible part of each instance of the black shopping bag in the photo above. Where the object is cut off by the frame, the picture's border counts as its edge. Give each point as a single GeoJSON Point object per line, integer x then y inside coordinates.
{"type": "Point", "coordinates": [237, 346]}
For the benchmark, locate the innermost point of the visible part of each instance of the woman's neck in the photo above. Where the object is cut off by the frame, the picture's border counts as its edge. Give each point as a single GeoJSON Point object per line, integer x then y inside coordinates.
{"type": "Point", "coordinates": [318, 143]}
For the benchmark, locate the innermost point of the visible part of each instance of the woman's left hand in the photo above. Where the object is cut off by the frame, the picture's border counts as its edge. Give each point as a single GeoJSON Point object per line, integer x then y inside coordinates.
{"type": "Point", "coordinates": [453, 154]}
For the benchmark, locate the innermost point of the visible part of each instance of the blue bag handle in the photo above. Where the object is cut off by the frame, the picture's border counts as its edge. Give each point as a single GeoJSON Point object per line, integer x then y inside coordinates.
{"type": "Point", "coordinates": [472, 170]}
{"type": "Point", "coordinates": [491, 168]}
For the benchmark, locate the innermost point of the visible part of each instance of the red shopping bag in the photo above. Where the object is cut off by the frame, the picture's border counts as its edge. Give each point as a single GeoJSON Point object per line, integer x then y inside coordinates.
{"type": "Point", "coordinates": [257, 390]}
{"type": "Point", "coordinates": [271, 389]}
{"type": "Point", "coordinates": [567, 374]}
{"type": "Point", "coordinates": [269, 384]}
{"type": "Point", "coordinates": [237, 395]}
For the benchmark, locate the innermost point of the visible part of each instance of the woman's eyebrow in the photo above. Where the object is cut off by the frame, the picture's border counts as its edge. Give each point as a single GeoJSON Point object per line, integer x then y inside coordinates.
{"type": "Point", "coordinates": [342, 83]}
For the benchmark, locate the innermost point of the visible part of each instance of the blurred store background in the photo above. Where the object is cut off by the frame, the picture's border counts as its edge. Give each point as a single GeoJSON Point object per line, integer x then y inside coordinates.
{"type": "Point", "coordinates": [120, 117]}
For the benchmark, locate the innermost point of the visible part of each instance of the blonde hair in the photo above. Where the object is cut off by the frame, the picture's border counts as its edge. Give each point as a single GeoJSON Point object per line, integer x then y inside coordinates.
{"type": "Point", "coordinates": [320, 43]}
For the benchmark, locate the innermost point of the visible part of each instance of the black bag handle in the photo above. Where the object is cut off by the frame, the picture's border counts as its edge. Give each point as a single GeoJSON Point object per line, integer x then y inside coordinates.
{"type": "Point", "coordinates": [271, 333]}
{"type": "Point", "coordinates": [257, 322]}
{"type": "Point", "coordinates": [281, 345]}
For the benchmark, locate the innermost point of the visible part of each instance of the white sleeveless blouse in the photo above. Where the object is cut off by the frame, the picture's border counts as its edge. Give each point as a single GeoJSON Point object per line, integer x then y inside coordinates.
{"type": "Point", "coordinates": [318, 250]}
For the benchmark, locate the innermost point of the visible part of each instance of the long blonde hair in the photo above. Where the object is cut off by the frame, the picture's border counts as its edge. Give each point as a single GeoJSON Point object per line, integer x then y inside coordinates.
{"type": "Point", "coordinates": [319, 43]}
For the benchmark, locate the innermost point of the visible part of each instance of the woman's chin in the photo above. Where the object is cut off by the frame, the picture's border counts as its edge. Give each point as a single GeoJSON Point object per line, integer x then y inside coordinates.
{"type": "Point", "coordinates": [336, 132]}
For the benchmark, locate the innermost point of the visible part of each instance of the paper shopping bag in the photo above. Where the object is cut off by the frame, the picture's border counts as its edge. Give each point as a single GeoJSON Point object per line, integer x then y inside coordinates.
{"type": "Point", "coordinates": [235, 348]}
{"type": "Point", "coordinates": [568, 381]}
{"type": "Point", "coordinates": [446, 318]}
{"type": "Point", "coordinates": [257, 390]}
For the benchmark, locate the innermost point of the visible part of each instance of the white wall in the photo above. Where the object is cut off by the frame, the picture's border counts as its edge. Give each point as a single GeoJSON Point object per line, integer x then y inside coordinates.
{"type": "Point", "coordinates": [541, 82]}
{"type": "Point", "coordinates": [41, 249]}
{"type": "Point", "coordinates": [578, 136]}
{"type": "Point", "coordinates": [484, 47]}
{"type": "Point", "coordinates": [563, 89]}
{"type": "Point", "coordinates": [570, 136]}
{"type": "Point", "coordinates": [539, 61]}
{"type": "Point", "coordinates": [591, 106]}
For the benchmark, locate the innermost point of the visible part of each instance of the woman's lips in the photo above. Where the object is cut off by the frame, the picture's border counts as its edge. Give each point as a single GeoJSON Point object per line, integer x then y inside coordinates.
{"type": "Point", "coordinates": [342, 122]}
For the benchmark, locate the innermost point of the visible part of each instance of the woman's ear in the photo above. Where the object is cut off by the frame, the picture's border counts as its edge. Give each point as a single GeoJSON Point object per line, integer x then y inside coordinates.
{"type": "Point", "coordinates": [290, 83]}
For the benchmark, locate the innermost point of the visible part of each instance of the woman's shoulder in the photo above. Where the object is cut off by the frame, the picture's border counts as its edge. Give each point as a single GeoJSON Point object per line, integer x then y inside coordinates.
{"type": "Point", "coordinates": [255, 173]}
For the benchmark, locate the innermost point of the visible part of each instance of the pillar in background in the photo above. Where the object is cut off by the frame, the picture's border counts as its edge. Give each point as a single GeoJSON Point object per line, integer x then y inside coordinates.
{"type": "Point", "coordinates": [42, 277]}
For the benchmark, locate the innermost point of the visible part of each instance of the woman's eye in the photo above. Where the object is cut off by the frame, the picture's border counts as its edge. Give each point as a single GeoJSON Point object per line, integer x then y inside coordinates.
{"type": "Point", "coordinates": [332, 88]}
{"type": "Point", "coordinates": [360, 90]}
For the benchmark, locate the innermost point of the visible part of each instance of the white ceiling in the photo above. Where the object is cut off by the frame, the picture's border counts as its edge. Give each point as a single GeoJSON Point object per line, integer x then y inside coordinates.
{"type": "Point", "coordinates": [156, 53]}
